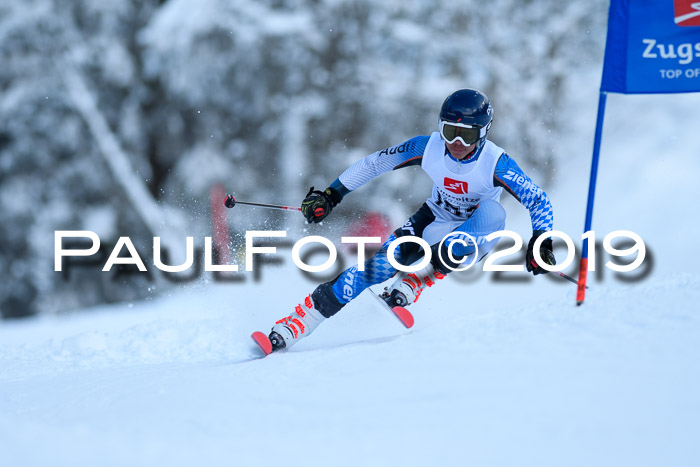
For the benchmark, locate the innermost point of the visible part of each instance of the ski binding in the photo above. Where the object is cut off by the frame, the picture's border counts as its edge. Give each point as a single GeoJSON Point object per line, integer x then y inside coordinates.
{"type": "Point", "coordinates": [400, 312]}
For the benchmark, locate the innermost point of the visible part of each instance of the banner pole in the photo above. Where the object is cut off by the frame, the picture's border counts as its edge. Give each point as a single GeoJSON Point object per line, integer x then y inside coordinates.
{"type": "Point", "coordinates": [583, 267]}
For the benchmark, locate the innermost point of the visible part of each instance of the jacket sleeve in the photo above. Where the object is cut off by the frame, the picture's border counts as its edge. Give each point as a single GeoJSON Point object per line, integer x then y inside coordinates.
{"type": "Point", "coordinates": [396, 157]}
{"type": "Point", "coordinates": [511, 177]}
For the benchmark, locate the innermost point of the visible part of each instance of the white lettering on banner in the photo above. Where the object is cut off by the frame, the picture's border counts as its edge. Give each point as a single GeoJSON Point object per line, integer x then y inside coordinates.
{"type": "Point", "coordinates": [684, 52]}
{"type": "Point", "coordinates": [673, 74]}
{"type": "Point", "coordinates": [670, 74]}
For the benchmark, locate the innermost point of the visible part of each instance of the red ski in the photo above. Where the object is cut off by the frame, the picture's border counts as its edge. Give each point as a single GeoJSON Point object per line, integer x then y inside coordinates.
{"type": "Point", "coordinates": [400, 312]}
{"type": "Point", "coordinates": [404, 315]}
{"type": "Point", "coordinates": [263, 342]}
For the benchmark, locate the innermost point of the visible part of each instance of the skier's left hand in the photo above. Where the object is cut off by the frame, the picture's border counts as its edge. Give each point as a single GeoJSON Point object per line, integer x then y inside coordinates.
{"type": "Point", "coordinates": [546, 254]}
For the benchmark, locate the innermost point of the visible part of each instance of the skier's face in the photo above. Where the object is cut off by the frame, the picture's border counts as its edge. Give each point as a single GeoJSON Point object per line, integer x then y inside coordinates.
{"type": "Point", "coordinates": [458, 150]}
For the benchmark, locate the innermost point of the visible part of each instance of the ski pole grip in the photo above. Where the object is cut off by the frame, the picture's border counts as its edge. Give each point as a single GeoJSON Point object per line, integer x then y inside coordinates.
{"type": "Point", "coordinates": [230, 201]}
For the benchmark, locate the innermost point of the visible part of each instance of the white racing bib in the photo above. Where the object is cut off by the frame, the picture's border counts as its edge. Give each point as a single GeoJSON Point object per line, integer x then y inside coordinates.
{"type": "Point", "coordinates": [458, 186]}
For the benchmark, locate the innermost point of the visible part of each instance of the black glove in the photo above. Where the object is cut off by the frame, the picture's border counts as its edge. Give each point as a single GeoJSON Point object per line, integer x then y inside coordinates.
{"type": "Point", "coordinates": [546, 254]}
{"type": "Point", "coordinates": [318, 204]}
{"type": "Point", "coordinates": [440, 259]}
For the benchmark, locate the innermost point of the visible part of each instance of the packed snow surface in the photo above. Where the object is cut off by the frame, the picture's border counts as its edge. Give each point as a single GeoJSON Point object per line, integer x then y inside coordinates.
{"type": "Point", "coordinates": [492, 374]}
{"type": "Point", "coordinates": [529, 380]}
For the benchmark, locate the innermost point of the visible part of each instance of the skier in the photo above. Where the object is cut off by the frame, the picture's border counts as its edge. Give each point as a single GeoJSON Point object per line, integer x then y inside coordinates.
{"type": "Point", "coordinates": [469, 173]}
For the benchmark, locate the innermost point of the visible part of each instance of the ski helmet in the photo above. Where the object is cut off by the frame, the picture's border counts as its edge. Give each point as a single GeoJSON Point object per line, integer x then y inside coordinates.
{"type": "Point", "coordinates": [465, 115]}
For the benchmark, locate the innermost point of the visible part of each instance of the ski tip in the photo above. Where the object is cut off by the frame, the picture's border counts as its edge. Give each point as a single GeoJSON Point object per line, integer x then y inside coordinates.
{"type": "Point", "coordinates": [263, 342]}
{"type": "Point", "coordinates": [404, 316]}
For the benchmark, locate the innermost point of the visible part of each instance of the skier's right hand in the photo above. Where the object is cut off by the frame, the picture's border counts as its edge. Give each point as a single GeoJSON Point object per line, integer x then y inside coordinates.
{"type": "Point", "coordinates": [318, 204]}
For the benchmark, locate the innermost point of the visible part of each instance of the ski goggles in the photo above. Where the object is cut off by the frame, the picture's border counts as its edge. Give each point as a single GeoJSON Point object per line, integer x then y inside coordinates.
{"type": "Point", "coordinates": [467, 134]}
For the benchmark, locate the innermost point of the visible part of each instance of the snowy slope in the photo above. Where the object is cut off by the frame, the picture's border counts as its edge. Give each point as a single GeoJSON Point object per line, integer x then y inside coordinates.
{"type": "Point", "coordinates": [492, 373]}
{"type": "Point", "coordinates": [541, 383]}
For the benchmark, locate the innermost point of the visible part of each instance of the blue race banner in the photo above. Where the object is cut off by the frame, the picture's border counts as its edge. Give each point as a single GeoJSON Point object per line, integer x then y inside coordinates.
{"type": "Point", "coordinates": [653, 46]}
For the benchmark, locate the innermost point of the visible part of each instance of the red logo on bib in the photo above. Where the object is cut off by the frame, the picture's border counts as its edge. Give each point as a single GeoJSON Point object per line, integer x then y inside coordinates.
{"type": "Point", "coordinates": [456, 186]}
{"type": "Point", "coordinates": [687, 12]}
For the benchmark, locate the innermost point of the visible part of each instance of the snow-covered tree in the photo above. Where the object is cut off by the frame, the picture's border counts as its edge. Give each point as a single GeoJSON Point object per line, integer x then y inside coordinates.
{"type": "Point", "coordinates": [117, 114]}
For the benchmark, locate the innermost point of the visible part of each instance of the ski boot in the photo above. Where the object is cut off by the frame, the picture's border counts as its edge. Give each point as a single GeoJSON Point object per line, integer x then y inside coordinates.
{"type": "Point", "coordinates": [288, 331]}
{"type": "Point", "coordinates": [408, 286]}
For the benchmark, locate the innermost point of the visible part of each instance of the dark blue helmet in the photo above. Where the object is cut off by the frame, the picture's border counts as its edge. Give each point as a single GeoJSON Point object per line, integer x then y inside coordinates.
{"type": "Point", "coordinates": [468, 107]}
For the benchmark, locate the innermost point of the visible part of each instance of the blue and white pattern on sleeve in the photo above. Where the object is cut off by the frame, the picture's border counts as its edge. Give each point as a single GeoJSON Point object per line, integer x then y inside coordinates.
{"type": "Point", "coordinates": [511, 177]}
{"type": "Point", "coordinates": [403, 155]}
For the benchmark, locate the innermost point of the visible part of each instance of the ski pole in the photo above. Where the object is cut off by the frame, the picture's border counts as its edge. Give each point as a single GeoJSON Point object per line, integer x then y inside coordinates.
{"type": "Point", "coordinates": [230, 202]}
{"type": "Point", "coordinates": [568, 278]}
